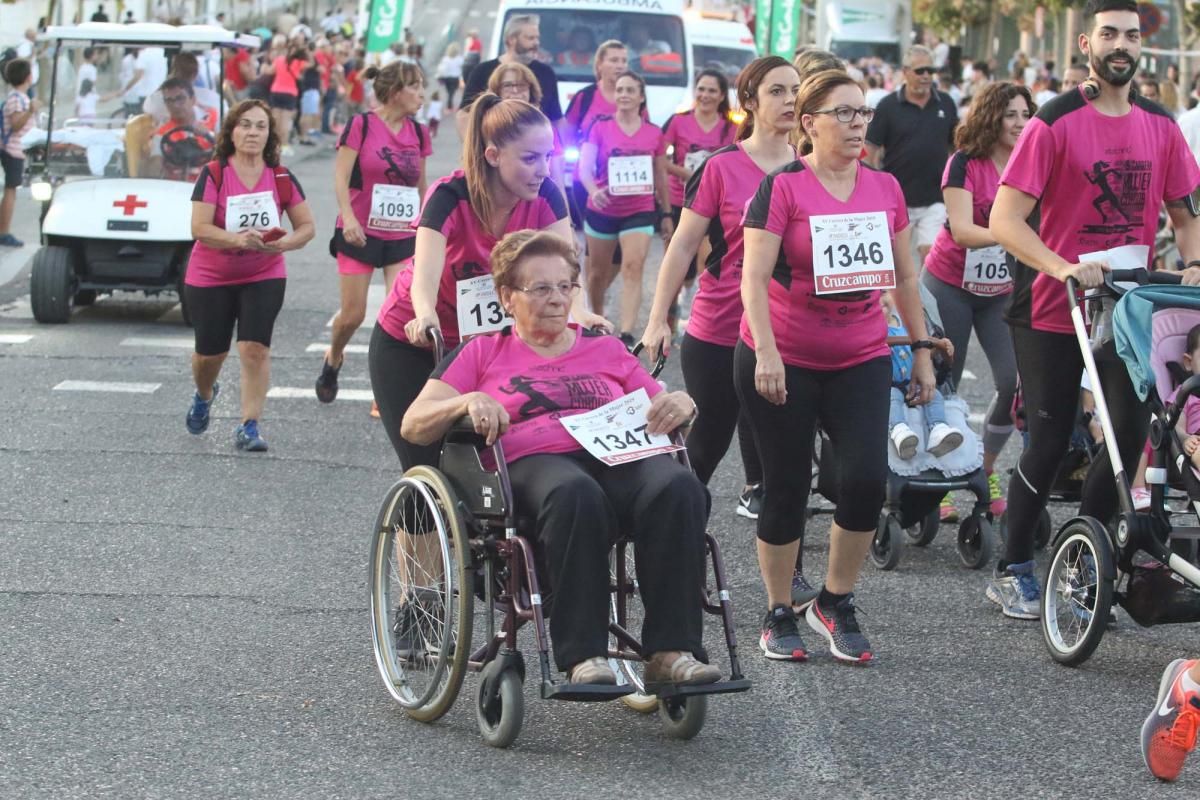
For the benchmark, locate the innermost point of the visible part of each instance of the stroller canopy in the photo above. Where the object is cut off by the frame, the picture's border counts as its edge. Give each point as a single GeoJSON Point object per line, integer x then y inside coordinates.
{"type": "Point", "coordinates": [1133, 320]}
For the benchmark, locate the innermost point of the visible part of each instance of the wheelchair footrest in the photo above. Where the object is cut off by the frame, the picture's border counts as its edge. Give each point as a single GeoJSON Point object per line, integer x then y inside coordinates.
{"type": "Point", "coordinates": [674, 690]}
{"type": "Point", "coordinates": [583, 692]}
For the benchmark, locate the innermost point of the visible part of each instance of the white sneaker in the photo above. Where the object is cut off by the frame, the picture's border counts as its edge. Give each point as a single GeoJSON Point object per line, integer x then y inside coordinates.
{"type": "Point", "coordinates": [904, 439]}
{"type": "Point", "coordinates": [943, 439]}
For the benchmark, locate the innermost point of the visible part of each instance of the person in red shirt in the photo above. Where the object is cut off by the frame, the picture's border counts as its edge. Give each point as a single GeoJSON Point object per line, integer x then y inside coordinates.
{"type": "Point", "coordinates": [239, 71]}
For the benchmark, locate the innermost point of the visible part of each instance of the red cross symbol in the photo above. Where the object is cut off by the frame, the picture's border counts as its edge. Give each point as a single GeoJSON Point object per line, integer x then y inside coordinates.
{"type": "Point", "coordinates": [129, 204]}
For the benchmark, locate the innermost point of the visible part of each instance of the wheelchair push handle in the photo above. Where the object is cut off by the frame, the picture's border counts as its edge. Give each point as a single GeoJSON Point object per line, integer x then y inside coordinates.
{"type": "Point", "coordinates": [434, 334]}
{"type": "Point", "coordinates": [659, 363]}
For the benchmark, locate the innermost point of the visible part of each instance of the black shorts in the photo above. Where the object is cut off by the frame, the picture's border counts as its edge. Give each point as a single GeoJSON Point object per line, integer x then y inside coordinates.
{"type": "Point", "coordinates": [14, 170]}
{"type": "Point", "coordinates": [379, 253]}
{"type": "Point", "coordinates": [214, 310]}
{"type": "Point", "coordinates": [286, 102]}
{"type": "Point", "coordinates": [612, 227]}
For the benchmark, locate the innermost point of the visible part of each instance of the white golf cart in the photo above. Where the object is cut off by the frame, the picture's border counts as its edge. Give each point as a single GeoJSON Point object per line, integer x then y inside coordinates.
{"type": "Point", "coordinates": [111, 221]}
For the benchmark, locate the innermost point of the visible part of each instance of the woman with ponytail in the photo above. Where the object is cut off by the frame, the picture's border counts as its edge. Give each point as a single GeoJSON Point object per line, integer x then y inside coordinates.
{"type": "Point", "coordinates": [713, 204]}
{"type": "Point", "coordinates": [379, 180]}
{"type": "Point", "coordinates": [502, 188]}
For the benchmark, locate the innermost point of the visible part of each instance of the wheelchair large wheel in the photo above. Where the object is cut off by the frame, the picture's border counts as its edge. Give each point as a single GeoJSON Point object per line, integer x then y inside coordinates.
{"type": "Point", "coordinates": [629, 672]}
{"type": "Point", "coordinates": [885, 547]}
{"type": "Point", "coordinates": [500, 720]}
{"type": "Point", "coordinates": [1078, 594]}
{"type": "Point", "coordinates": [683, 717]}
{"type": "Point", "coordinates": [421, 600]}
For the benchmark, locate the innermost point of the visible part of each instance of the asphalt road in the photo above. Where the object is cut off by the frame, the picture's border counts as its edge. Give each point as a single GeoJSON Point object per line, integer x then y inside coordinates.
{"type": "Point", "coordinates": [180, 619]}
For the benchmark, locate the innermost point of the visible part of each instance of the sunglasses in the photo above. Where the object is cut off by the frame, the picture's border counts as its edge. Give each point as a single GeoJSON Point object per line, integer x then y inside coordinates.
{"type": "Point", "coordinates": [923, 70]}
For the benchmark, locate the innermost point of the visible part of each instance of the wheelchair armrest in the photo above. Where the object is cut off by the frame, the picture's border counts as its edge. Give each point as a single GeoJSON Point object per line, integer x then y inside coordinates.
{"type": "Point", "coordinates": [463, 430]}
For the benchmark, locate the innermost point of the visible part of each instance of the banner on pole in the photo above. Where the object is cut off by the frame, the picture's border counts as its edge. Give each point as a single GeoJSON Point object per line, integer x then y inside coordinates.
{"type": "Point", "coordinates": [386, 24]}
{"type": "Point", "coordinates": [785, 27]}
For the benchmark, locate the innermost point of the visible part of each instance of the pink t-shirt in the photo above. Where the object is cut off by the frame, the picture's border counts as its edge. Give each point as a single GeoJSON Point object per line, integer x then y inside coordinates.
{"type": "Point", "coordinates": [1101, 182]}
{"type": "Point", "coordinates": [581, 121]}
{"type": "Point", "coordinates": [684, 133]}
{"type": "Point", "coordinates": [831, 331]}
{"type": "Point", "coordinates": [468, 248]}
{"type": "Point", "coordinates": [383, 158]}
{"type": "Point", "coordinates": [612, 142]}
{"type": "Point", "coordinates": [719, 190]}
{"type": "Point", "coordinates": [211, 267]}
{"type": "Point", "coordinates": [978, 176]}
{"type": "Point", "coordinates": [286, 75]}
{"type": "Point", "coordinates": [537, 391]}
{"type": "Point", "coordinates": [16, 103]}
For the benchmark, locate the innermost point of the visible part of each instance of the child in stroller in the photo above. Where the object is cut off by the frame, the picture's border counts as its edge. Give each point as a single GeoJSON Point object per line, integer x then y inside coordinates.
{"type": "Point", "coordinates": [940, 438]}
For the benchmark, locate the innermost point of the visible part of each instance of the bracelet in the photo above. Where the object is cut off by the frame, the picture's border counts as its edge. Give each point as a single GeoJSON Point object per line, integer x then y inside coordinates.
{"type": "Point", "coordinates": [1192, 263]}
{"type": "Point", "coordinates": [923, 344]}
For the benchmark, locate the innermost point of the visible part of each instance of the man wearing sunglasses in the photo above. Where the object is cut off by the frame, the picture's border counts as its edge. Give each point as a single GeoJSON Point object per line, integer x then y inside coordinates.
{"type": "Point", "coordinates": [911, 137]}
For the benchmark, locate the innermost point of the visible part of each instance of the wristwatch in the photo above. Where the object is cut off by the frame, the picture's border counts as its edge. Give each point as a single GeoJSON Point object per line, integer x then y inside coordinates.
{"type": "Point", "coordinates": [923, 344]}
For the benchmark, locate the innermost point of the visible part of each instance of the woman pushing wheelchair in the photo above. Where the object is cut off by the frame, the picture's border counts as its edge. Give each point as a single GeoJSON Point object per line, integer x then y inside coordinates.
{"type": "Point", "coordinates": [518, 385]}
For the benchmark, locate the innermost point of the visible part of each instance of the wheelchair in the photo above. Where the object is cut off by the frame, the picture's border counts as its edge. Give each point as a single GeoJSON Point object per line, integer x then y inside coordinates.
{"type": "Point", "coordinates": [447, 537]}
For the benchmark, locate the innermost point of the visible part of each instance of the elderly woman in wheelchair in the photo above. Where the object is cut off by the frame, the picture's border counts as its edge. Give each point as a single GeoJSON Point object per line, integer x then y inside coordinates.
{"type": "Point", "coordinates": [512, 392]}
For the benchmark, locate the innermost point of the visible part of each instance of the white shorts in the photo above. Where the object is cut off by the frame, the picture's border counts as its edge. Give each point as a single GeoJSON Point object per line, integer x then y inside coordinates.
{"type": "Point", "coordinates": [924, 222]}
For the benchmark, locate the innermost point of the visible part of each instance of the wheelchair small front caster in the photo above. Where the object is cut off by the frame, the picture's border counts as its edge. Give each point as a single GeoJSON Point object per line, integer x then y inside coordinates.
{"type": "Point", "coordinates": [500, 709]}
{"type": "Point", "coordinates": [683, 716]}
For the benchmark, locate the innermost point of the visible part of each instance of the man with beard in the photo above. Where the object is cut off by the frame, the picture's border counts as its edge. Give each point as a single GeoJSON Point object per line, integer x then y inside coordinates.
{"type": "Point", "coordinates": [1096, 165]}
{"type": "Point", "coordinates": [522, 43]}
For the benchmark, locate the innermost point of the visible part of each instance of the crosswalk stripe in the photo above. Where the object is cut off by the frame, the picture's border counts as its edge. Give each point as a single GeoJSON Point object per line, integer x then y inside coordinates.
{"type": "Point", "coordinates": [317, 347]}
{"type": "Point", "coordinates": [181, 342]}
{"type": "Point", "coordinates": [15, 338]}
{"type": "Point", "coordinates": [297, 393]}
{"type": "Point", "coordinates": [107, 386]}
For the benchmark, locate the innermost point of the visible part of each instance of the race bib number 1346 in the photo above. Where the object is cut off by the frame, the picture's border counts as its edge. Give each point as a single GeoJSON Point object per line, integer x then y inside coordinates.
{"type": "Point", "coordinates": [852, 252]}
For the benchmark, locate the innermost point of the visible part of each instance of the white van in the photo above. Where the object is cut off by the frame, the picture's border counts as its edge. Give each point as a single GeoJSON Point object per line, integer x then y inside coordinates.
{"type": "Point", "coordinates": [571, 30]}
{"type": "Point", "coordinates": [720, 44]}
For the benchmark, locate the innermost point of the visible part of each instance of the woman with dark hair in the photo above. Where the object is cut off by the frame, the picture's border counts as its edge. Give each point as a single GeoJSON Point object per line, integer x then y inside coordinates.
{"type": "Point", "coordinates": [623, 167]}
{"type": "Point", "coordinates": [693, 136]}
{"type": "Point", "coordinates": [502, 188]}
{"type": "Point", "coordinates": [823, 236]}
{"type": "Point", "coordinates": [966, 271]}
{"type": "Point", "coordinates": [379, 180]}
{"type": "Point", "coordinates": [713, 206]}
{"type": "Point", "coordinates": [236, 273]}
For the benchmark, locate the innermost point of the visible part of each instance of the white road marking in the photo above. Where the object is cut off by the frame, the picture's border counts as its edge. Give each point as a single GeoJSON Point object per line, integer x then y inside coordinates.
{"type": "Point", "coordinates": [107, 386]}
{"type": "Point", "coordinates": [181, 342]}
{"type": "Point", "coordinates": [297, 393]}
{"type": "Point", "coordinates": [318, 347]}
{"type": "Point", "coordinates": [15, 338]}
{"type": "Point", "coordinates": [969, 376]}
{"type": "Point", "coordinates": [376, 294]}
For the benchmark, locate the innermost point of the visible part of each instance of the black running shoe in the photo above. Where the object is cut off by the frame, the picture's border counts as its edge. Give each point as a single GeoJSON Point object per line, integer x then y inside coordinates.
{"type": "Point", "coordinates": [839, 625]}
{"type": "Point", "coordinates": [750, 503]}
{"type": "Point", "coordinates": [780, 638]}
{"type": "Point", "coordinates": [327, 385]}
{"type": "Point", "coordinates": [803, 593]}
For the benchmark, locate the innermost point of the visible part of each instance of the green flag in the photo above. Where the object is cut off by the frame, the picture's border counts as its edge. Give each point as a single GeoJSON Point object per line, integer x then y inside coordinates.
{"type": "Point", "coordinates": [785, 27]}
{"type": "Point", "coordinates": [387, 23]}
{"type": "Point", "coordinates": [762, 26]}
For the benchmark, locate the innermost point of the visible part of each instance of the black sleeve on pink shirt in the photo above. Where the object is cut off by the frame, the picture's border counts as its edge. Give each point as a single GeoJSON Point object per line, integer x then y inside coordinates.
{"type": "Point", "coordinates": [299, 190]}
{"type": "Point", "coordinates": [201, 182]}
{"type": "Point", "coordinates": [956, 178]}
{"type": "Point", "coordinates": [442, 204]}
{"type": "Point", "coordinates": [553, 196]}
{"type": "Point", "coordinates": [760, 205]}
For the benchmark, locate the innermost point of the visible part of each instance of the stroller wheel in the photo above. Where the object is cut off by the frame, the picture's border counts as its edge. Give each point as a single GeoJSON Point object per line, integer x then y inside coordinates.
{"type": "Point", "coordinates": [885, 547]}
{"type": "Point", "coordinates": [926, 531]}
{"type": "Point", "coordinates": [975, 541]}
{"type": "Point", "coordinates": [1078, 594]}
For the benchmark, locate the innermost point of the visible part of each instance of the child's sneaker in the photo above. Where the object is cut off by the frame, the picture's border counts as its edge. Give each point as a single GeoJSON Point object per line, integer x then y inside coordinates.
{"type": "Point", "coordinates": [999, 503]}
{"type": "Point", "coordinates": [1169, 733]}
{"type": "Point", "coordinates": [946, 511]}
{"type": "Point", "coordinates": [942, 439]}
{"type": "Point", "coordinates": [904, 439]}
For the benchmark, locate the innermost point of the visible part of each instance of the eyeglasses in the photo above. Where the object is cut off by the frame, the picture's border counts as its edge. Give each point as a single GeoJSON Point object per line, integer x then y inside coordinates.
{"type": "Point", "coordinates": [542, 291]}
{"type": "Point", "coordinates": [845, 114]}
{"type": "Point", "coordinates": [514, 87]}
{"type": "Point", "coordinates": [923, 70]}
{"type": "Point", "coordinates": [176, 99]}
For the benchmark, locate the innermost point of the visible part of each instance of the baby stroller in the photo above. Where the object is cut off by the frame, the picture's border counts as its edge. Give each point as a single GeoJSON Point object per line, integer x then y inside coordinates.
{"type": "Point", "coordinates": [1134, 562]}
{"type": "Point", "coordinates": [916, 487]}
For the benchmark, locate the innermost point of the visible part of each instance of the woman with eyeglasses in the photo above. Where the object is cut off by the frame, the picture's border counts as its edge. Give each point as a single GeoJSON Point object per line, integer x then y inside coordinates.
{"type": "Point", "coordinates": [966, 270]}
{"type": "Point", "coordinates": [578, 503]}
{"type": "Point", "coordinates": [516, 81]}
{"type": "Point", "coordinates": [502, 188]}
{"type": "Point", "coordinates": [623, 167]}
{"type": "Point", "coordinates": [823, 236]}
{"type": "Point", "coordinates": [378, 180]}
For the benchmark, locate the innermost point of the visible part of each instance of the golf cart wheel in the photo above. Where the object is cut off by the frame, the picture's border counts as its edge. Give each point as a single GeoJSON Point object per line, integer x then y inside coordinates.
{"type": "Point", "coordinates": [1041, 536]}
{"type": "Point", "coordinates": [51, 284]}
{"type": "Point", "coordinates": [1078, 594]}
{"type": "Point", "coordinates": [923, 534]}
{"type": "Point", "coordinates": [682, 717]}
{"type": "Point", "coordinates": [885, 547]}
{"type": "Point", "coordinates": [84, 297]}
{"type": "Point", "coordinates": [975, 541]}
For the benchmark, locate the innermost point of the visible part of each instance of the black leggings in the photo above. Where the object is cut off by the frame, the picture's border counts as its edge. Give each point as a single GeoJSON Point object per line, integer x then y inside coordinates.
{"type": "Point", "coordinates": [214, 310]}
{"type": "Point", "coordinates": [708, 376]}
{"type": "Point", "coordinates": [852, 407]}
{"type": "Point", "coordinates": [399, 371]}
{"type": "Point", "coordinates": [582, 507]}
{"type": "Point", "coordinates": [1051, 366]}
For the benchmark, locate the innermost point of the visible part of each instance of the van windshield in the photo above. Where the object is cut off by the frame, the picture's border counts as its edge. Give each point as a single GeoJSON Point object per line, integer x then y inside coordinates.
{"type": "Point", "coordinates": [729, 60]}
{"type": "Point", "coordinates": [570, 37]}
